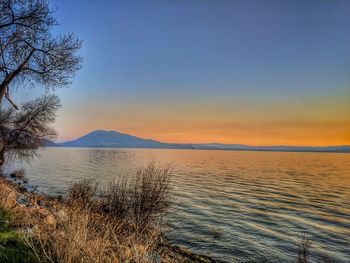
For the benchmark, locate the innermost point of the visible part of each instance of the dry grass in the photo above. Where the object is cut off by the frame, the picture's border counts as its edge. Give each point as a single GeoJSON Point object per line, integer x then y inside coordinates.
{"type": "Point", "coordinates": [123, 224]}
{"type": "Point", "coordinates": [77, 239]}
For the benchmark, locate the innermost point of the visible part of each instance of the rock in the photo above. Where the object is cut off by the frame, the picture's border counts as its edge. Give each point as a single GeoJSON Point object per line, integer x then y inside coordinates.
{"type": "Point", "coordinates": [127, 253]}
{"type": "Point", "coordinates": [62, 234]}
{"type": "Point", "coordinates": [42, 212]}
{"type": "Point", "coordinates": [141, 249]}
{"type": "Point", "coordinates": [10, 202]}
{"type": "Point", "coordinates": [31, 230]}
{"type": "Point", "coordinates": [155, 257]}
{"type": "Point", "coordinates": [60, 198]}
{"type": "Point", "coordinates": [23, 200]}
{"type": "Point", "coordinates": [62, 215]}
{"type": "Point", "coordinates": [22, 189]}
{"type": "Point", "coordinates": [19, 174]}
{"type": "Point", "coordinates": [50, 220]}
{"type": "Point", "coordinates": [38, 200]}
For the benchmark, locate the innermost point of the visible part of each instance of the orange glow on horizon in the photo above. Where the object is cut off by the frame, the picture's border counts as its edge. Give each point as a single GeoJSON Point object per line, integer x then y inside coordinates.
{"type": "Point", "coordinates": [307, 122]}
{"type": "Point", "coordinates": [314, 135]}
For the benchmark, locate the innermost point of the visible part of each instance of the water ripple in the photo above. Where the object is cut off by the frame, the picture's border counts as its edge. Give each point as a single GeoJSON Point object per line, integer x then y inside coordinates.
{"type": "Point", "coordinates": [231, 205]}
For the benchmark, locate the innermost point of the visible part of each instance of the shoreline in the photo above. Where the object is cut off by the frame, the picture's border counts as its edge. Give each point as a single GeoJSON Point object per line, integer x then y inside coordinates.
{"type": "Point", "coordinates": [211, 149]}
{"type": "Point", "coordinates": [32, 209]}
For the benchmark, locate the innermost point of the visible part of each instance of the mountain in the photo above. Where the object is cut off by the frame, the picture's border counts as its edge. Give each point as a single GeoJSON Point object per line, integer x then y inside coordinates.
{"type": "Point", "coordinates": [48, 143]}
{"type": "Point", "coordinates": [114, 139]}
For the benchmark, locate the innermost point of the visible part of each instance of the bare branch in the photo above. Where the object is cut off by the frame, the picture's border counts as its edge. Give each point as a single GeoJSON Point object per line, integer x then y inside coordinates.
{"type": "Point", "coordinates": [27, 128]}
{"type": "Point", "coordinates": [7, 96]}
{"type": "Point", "coordinates": [29, 52]}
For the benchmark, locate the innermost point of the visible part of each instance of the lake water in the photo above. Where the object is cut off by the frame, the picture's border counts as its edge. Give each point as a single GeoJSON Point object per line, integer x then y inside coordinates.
{"type": "Point", "coordinates": [233, 205]}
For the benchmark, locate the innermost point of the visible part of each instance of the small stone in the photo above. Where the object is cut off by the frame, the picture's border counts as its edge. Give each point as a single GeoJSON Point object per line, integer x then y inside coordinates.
{"type": "Point", "coordinates": [42, 212]}
{"type": "Point", "coordinates": [127, 253]}
{"type": "Point", "coordinates": [23, 200]}
{"type": "Point", "coordinates": [11, 202]}
{"type": "Point", "coordinates": [60, 198]}
{"type": "Point", "coordinates": [141, 249]}
{"type": "Point", "coordinates": [155, 257]}
{"type": "Point", "coordinates": [50, 220]}
{"type": "Point", "coordinates": [62, 215]}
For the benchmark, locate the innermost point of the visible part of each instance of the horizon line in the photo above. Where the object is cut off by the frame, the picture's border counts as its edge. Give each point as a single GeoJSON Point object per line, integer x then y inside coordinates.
{"type": "Point", "coordinates": [203, 143]}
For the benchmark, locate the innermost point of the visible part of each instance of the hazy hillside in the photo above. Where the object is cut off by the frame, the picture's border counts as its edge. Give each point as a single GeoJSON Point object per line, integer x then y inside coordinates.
{"type": "Point", "coordinates": [114, 139]}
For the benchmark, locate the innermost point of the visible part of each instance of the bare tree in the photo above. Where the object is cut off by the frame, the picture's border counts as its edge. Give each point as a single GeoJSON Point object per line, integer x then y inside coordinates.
{"type": "Point", "coordinates": [23, 131]}
{"type": "Point", "coordinates": [29, 53]}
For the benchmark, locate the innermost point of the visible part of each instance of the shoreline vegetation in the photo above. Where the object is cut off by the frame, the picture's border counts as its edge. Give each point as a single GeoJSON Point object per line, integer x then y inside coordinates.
{"type": "Point", "coordinates": [121, 223]}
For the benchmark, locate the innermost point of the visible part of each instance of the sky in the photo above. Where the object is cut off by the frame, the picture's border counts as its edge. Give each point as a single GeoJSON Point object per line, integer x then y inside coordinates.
{"type": "Point", "coordinates": [197, 71]}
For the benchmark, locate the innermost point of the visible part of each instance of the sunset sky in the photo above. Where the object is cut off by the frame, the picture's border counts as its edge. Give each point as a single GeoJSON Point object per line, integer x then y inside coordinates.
{"type": "Point", "coordinates": [249, 72]}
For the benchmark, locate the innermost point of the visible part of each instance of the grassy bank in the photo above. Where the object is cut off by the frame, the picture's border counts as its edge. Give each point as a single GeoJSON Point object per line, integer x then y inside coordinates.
{"type": "Point", "coordinates": [13, 247]}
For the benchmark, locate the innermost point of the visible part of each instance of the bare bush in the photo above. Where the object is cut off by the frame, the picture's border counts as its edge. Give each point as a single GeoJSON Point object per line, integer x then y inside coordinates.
{"type": "Point", "coordinates": [143, 199]}
{"type": "Point", "coordinates": [116, 199]}
{"type": "Point", "coordinates": [152, 194]}
{"type": "Point", "coordinates": [82, 193]}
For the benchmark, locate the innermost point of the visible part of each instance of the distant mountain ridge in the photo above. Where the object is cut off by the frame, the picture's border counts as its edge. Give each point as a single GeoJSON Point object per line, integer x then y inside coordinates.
{"type": "Point", "coordinates": [114, 139]}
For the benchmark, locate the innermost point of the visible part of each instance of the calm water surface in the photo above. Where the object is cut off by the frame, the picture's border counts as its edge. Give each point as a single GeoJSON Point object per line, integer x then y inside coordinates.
{"type": "Point", "coordinates": [233, 205]}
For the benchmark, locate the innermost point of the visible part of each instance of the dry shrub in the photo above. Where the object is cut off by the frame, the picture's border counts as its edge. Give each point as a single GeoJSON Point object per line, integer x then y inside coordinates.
{"type": "Point", "coordinates": [82, 193]}
{"type": "Point", "coordinates": [143, 200]}
{"type": "Point", "coordinates": [152, 194]}
{"type": "Point", "coordinates": [116, 199]}
{"type": "Point", "coordinates": [120, 225]}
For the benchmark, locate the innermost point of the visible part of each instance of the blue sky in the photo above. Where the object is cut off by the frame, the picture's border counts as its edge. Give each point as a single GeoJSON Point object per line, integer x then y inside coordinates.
{"type": "Point", "coordinates": [171, 69]}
